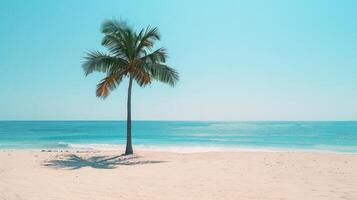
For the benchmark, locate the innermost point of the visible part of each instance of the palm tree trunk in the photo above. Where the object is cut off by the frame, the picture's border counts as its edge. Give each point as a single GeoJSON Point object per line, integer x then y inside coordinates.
{"type": "Point", "coordinates": [129, 147]}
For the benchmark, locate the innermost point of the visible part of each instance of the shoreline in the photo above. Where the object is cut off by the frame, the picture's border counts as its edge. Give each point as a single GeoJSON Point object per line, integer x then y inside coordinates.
{"type": "Point", "coordinates": [183, 150]}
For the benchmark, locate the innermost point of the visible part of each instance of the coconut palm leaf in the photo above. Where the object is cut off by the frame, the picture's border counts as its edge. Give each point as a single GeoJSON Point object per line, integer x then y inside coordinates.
{"type": "Point", "coordinates": [100, 62]}
{"type": "Point", "coordinates": [162, 73]}
{"type": "Point", "coordinates": [115, 45]}
{"type": "Point", "coordinates": [158, 56]}
{"type": "Point", "coordinates": [108, 84]}
{"type": "Point", "coordinates": [114, 26]}
{"type": "Point", "coordinates": [141, 77]}
{"type": "Point", "coordinates": [147, 38]}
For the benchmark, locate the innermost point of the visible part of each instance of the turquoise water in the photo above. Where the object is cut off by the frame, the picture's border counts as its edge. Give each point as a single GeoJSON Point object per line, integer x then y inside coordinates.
{"type": "Point", "coordinates": [320, 136]}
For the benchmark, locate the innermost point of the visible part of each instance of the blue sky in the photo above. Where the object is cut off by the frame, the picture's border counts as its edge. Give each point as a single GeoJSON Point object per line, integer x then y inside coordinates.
{"type": "Point", "coordinates": [238, 60]}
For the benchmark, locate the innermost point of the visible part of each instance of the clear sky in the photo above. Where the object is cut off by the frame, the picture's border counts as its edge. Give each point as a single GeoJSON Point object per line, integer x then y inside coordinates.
{"type": "Point", "coordinates": [238, 60]}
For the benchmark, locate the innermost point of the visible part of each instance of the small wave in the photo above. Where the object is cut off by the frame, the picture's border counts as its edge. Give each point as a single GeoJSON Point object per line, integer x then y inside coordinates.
{"type": "Point", "coordinates": [219, 140]}
{"type": "Point", "coordinates": [58, 145]}
{"type": "Point", "coordinates": [77, 146]}
{"type": "Point", "coordinates": [94, 146]}
{"type": "Point", "coordinates": [335, 148]}
{"type": "Point", "coordinates": [199, 149]}
{"type": "Point", "coordinates": [174, 149]}
{"type": "Point", "coordinates": [182, 149]}
{"type": "Point", "coordinates": [62, 144]}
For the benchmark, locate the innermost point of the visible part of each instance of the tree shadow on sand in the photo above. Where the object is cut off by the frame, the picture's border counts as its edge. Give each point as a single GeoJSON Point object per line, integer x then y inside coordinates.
{"type": "Point", "coordinates": [73, 161]}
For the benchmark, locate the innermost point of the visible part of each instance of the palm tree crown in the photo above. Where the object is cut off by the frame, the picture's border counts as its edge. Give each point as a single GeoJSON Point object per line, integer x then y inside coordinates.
{"type": "Point", "coordinates": [130, 55]}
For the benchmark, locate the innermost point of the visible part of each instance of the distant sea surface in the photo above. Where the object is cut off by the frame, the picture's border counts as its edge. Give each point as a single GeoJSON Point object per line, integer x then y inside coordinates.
{"type": "Point", "coordinates": [180, 135]}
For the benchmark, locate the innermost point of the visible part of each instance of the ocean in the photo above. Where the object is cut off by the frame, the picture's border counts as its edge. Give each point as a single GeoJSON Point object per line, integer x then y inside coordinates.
{"type": "Point", "coordinates": [336, 136]}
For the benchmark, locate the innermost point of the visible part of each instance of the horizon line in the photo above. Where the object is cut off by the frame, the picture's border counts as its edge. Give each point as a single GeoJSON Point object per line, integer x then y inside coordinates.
{"type": "Point", "coordinates": [163, 120]}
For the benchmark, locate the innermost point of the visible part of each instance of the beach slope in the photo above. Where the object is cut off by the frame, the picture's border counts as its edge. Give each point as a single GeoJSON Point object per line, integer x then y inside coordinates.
{"type": "Point", "coordinates": [104, 175]}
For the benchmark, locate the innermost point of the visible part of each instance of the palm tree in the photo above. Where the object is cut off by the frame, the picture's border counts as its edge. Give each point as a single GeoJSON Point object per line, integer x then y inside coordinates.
{"type": "Point", "coordinates": [130, 55]}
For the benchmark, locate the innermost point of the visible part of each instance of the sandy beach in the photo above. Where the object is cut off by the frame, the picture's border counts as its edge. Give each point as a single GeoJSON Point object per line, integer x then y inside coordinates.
{"type": "Point", "coordinates": [36, 175]}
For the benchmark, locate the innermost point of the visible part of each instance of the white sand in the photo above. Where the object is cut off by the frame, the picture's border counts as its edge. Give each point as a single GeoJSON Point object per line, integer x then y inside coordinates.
{"type": "Point", "coordinates": [158, 175]}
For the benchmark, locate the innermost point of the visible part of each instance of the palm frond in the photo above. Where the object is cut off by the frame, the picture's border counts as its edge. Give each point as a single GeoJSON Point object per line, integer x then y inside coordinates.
{"type": "Point", "coordinates": [114, 26]}
{"type": "Point", "coordinates": [115, 44]}
{"type": "Point", "coordinates": [147, 38]}
{"type": "Point", "coordinates": [158, 56]}
{"type": "Point", "coordinates": [129, 40]}
{"type": "Point", "coordinates": [100, 62]}
{"type": "Point", "coordinates": [141, 77]}
{"type": "Point", "coordinates": [108, 84]}
{"type": "Point", "coordinates": [117, 39]}
{"type": "Point", "coordinates": [162, 73]}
